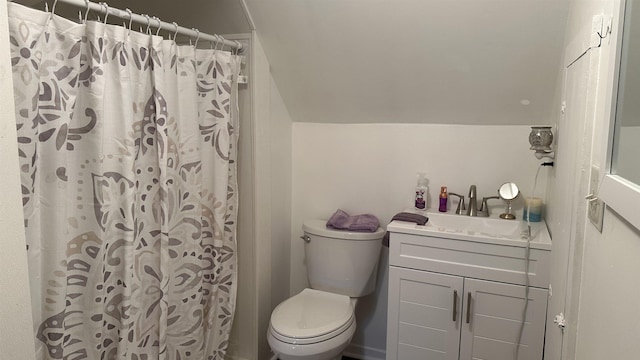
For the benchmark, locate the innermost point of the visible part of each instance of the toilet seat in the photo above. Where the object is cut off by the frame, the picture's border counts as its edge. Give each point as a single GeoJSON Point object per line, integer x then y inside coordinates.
{"type": "Point", "coordinates": [310, 317]}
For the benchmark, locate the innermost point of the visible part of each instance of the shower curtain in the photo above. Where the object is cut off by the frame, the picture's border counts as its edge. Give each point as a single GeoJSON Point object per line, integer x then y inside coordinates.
{"type": "Point", "coordinates": [127, 146]}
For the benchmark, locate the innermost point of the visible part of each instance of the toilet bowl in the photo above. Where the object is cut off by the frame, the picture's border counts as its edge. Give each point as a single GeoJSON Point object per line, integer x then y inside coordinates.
{"type": "Point", "coordinates": [313, 325]}
{"type": "Point", "coordinates": [319, 322]}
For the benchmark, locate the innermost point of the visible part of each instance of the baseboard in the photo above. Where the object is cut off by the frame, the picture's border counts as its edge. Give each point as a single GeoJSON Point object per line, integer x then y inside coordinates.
{"type": "Point", "coordinates": [234, 357]}
{"type": "Point", "coordinates": [364, 352]}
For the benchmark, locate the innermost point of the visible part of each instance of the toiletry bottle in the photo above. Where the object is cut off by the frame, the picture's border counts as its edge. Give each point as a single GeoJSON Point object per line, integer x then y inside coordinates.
{"type": "Point", "coordinates": [443, 199]}
{"type": "Point", "coordinates": [421, 192]}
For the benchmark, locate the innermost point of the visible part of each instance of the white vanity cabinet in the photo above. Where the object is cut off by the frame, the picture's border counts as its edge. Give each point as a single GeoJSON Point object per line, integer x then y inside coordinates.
{"type": "Point", "coordinates": [462, 298]}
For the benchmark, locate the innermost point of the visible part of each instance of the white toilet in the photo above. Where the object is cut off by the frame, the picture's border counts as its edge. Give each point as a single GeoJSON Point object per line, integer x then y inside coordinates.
{"type": "Point", "coordinates": [319, 322]}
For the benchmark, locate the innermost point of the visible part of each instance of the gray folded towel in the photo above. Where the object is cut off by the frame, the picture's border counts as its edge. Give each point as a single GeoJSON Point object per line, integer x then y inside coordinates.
{"type": "Point", "coordinates": [342, 221]}
{"type": "Point", "coordinates": [408, 217]}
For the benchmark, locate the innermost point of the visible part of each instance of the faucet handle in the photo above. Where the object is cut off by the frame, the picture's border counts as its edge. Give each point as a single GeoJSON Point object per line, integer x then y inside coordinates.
{"type": "Point", "coordinates": [461, 208]}
{"type": "Point", "coordinates": [484, 208]}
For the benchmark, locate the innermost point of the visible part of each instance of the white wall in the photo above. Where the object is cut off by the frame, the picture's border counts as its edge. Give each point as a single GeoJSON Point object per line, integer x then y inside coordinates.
{"type": "Point", "coordinates": [272, 203]}
{"type": "Point", "coordinates": [280, 139]}
{"type": "Point", "coordinates": [608, 323]}
{"type": "Point", "coordinates": [261, 138]}
{"type": "Point", "coordinates": [16, 330]}
{"type": "Point", "coordinates": [610, 257]}
{"type": "Point", "coordinates": [371, 168]}
{"type": "Point", "coordinates": [243, 340]}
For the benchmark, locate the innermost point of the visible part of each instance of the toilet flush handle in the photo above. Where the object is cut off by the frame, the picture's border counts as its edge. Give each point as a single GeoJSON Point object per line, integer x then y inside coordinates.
{"type": "Point", "coordinates": [306, 238]}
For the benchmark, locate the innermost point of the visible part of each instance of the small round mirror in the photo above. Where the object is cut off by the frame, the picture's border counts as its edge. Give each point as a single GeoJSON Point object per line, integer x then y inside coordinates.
{"type": "Point", "coordinates": [508, 191]}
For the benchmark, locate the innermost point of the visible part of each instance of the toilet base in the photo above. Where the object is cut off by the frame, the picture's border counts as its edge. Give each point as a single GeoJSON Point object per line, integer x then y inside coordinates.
{"type": "Point", "coordinates": [330, 349]}
{"type": "Point", "coordinates": [339, 357]}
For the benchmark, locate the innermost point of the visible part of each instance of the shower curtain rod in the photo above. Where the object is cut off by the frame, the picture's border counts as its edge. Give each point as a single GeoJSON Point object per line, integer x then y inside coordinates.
{"type": "Point", "coordinates": [104, 8]}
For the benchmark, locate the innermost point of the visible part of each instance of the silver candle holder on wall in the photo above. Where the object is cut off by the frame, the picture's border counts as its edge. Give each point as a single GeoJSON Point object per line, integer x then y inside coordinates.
{"type": "Point", "coordinates": [541, 139]}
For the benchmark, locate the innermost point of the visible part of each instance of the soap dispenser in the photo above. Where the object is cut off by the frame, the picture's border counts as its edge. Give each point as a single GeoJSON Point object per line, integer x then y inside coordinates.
{"type": "Point", "coordinates": [422, 191]}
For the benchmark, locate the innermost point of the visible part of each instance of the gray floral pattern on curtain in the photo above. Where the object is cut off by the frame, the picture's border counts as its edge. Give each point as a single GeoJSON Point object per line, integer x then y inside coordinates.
{"type": "Point", "coordinates": [127, 146]}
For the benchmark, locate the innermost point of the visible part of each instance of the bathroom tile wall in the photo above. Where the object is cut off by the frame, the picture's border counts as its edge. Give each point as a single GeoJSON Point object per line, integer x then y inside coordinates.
{"type": "Point", "coordinates": [371, 168]}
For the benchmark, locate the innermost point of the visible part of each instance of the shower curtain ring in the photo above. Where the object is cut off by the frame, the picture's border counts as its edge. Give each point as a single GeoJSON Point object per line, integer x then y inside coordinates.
{"type": "Point", "coordinates": [218, 40]}
{"type": "Point", "coordinates": [130, 18]}
{"type": "Point", "coordinates": [53, 8]}
{"type": "Point", "coordinates": [159, 24]}
{"type": "Point", "coordinates": [148, 23]}
{"type": "Point", "coordinates": [215, 47]}
{"type": "Point", "coordinates": [86, 13]}
{"type": "Point", "coordinates": [106, 11]}
{"type": "Point", "coordinates": [175, 34]}
{"type": "Point", "coordinates": [197, 37]}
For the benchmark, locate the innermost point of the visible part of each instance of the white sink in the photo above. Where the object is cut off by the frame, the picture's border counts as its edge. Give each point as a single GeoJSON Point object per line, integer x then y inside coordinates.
{"type": "Point", "coordinates": [481, 229]}
{"type": "Point", "coordinates": [459, 223]}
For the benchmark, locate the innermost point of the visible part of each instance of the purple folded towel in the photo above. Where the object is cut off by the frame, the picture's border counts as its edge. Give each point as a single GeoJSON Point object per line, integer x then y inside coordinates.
{"type": "Point", "coordinates": [342, 221]}
{"type": "Point", "coordinates": [408, 217]}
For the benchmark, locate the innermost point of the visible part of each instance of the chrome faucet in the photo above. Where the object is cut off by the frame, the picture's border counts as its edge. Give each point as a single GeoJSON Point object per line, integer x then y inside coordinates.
{"type": "Point", "coordinates": [473, 210]}
{"type": "Point", "coordinates": [473, 203]}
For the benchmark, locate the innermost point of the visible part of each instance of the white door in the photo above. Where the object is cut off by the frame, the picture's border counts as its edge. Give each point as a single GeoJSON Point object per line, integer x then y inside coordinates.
{"type": "Point", "coordinates": [424, 315]}
{"type": "Point", "coordinates": [492, 314]}
{"type": "Point", "coordinates": [567, 207]}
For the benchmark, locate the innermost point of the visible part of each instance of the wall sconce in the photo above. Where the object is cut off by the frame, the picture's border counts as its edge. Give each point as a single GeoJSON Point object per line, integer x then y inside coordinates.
{"type": "Point", "coordinates": [540, 139]}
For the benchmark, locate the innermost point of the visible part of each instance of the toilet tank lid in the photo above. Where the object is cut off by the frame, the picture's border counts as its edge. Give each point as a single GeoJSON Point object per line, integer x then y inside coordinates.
{"type": "Point", "coordinates": [319, 227]}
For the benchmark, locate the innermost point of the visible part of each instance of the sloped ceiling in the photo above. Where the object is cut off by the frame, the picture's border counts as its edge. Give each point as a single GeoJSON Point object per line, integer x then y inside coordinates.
{"type": "Point", "coordinates": [394, 61]}
{"type": "Point", "coordinates": [414, 61]}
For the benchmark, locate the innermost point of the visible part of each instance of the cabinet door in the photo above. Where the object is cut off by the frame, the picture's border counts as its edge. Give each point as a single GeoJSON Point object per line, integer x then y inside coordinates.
{"type": "Point", "coordinates": [424, 315]}
{"type": "Point", "coordinates": [492, 313]}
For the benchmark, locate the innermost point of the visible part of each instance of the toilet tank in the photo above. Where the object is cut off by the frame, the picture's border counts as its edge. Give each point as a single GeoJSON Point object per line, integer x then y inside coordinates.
{"type": "Point", "coordinates": [341, 262]}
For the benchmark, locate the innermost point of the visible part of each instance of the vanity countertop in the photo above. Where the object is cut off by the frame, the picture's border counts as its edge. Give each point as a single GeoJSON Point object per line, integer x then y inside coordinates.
{"type": "Point", "coordinates": [492, 230]}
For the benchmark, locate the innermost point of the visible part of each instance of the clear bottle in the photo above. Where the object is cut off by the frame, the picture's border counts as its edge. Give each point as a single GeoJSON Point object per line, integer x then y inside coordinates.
{"type": "Point", "coordinates": [422, 192]}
